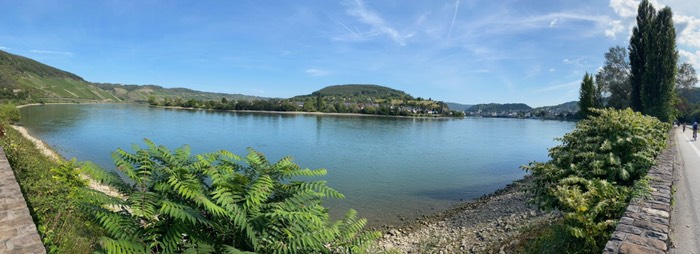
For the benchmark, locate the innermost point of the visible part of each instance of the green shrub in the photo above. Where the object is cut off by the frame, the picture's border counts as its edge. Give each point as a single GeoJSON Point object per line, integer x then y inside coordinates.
{"type": "Point", "coordinates": [220, 202]}
{"type": "Point", "coordinates": [9, 113]}
{"type": "Point", "coordinates": [593, 173]}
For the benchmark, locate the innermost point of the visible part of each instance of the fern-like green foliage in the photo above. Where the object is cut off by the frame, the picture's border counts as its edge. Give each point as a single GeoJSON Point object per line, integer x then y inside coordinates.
{"type": "Point", "coordinates": [594, 172]}
{"type": "Point", "coordinates": [223, 203]}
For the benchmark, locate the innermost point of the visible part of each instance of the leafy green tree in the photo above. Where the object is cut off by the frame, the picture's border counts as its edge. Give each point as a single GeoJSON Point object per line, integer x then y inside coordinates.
{"type": "Point", "coordinates": [685, 82]}
{"type": "Point", "coordinates": [222, 203]}
{"type": "Point", "coordinates": [587, 96]}
{"type": "Point", "coordinates": [152, 101]}
{"type": "Point", "coordinates": [640, 43]}
{"type": "Point", "coordinates": [319, 101]}
{"type": "Point", "coordinates": [614, 78]}
{"type": "Point", "coordinates": [309, 105]}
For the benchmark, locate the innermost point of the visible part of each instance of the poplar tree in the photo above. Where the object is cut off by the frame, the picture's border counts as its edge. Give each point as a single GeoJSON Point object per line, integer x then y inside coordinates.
{"type": "Point", "coordinates": [653, 61]}
{"type": "Point", "coordinates": [658, 81]}
{"type": "Point", "coordinates": [587, 96]}
{"type": "Point", "coordinates": [639, 43]}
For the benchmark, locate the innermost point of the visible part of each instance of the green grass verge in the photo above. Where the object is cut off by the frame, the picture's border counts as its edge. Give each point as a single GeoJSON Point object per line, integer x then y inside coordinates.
{"type": "Point", "coordinates": [65, 225]}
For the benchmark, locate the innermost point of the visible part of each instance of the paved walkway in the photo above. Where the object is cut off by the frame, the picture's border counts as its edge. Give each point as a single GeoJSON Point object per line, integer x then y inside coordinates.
{"type": "Point", "coordinates": [685, 223]}
{"type": "Point", "coordinates": [18, 233]}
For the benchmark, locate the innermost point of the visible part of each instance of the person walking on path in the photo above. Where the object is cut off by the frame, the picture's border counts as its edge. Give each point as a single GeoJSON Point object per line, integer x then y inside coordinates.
{"type": "Point", "coordinates": [695, 131]}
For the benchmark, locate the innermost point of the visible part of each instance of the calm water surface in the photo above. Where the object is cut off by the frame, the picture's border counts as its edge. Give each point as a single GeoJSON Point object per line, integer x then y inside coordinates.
{"type": "Point", "coordinates": [387, 167]}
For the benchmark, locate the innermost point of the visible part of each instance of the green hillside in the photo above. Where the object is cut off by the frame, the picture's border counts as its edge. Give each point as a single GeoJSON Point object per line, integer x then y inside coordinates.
{"type": "Point", "coordinates": [360, 90]}
{"type": "Point", "coordinates": [22, 78]}
{"type": "Point", "coordinates": [497, 107]}
{"type": "Point", "coordinates": [571, 106]}
{"type": "Point", "coordinates": [141, 93]}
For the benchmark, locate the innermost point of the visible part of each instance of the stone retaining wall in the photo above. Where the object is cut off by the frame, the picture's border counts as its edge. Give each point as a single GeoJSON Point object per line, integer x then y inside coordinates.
{"type": "Point", "coordinates": [18, 233]}
{"type": "Point", "coordinates": [644, 228]}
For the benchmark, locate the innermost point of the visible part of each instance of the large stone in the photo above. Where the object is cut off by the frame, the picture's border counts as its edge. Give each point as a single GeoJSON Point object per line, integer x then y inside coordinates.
{"type": "Point", "coordinates": [652, 226]}
{"type": "Point", "coordinates": [649, 242]}
{"type": "Point", "coordinates": [656, 212]}
{"type": "Point", "coordinates": [656, 235]}
{"type": "Point", "coordinates": [629, 229]}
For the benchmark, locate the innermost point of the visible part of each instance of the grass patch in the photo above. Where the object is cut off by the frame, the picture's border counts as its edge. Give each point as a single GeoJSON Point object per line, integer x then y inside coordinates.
{"type": "Point", "coordinates": [56, 205]}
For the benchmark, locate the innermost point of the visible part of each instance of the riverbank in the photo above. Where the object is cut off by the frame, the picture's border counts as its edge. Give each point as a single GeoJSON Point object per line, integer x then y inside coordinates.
{"type": "Point", "coordinates": [315, 113]}
{"type": "Point", "coordinates": [53, 155]}
{"type": "Point", "coordinates": [487, 224]}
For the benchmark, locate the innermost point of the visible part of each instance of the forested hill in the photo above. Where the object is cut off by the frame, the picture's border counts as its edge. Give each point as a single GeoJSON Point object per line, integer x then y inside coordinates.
{"type": "Point", "coordinates": [141, 93]}
{"type": "Point", "coordinates": [571, 106]}
{"type": "Point", "coordinates": [22, 78]}
{"type": "Point", "coordinates": [496, 107]}
{"type": "Point", "coordinates": [360, 90]}
{"type": "Point", "coordinates": [458, 106]}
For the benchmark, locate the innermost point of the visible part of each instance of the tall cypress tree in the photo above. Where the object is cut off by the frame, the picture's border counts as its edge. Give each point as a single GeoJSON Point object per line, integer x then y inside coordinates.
{"type": "Point", "coordinates": [653, 60]}
{"type": "Point", "coordinates": [587, 96]}
{"type": "Point", "coordinates": [637, 52]}
{"type": "Point", "coordinates": [661, 69]}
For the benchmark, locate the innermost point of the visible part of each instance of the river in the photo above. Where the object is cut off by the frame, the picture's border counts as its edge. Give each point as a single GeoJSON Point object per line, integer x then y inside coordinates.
{"type": "Point", "coordinates": [388, 168]}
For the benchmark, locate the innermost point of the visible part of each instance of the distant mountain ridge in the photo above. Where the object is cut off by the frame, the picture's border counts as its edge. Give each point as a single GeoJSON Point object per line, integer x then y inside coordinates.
{"type": "Point", "coordinates": [141, 93]}
{"type": "Point", "coordinates": [25, 79]}
{"type": "Point", "coordinates": [458, 106]}
{"type": "Point", "coordinates": [496, 107]}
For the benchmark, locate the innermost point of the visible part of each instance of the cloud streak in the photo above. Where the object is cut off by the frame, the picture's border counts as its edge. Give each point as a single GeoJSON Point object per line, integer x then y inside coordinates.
{"type": "Point", "coordinates": [50, 52]}
{"type": "Point", "coordinates": [378, 25]}
{"type": "Point", "coordinates": [454, 16]}
{"type": "Point", "coordinates": [316, 72]}
{"type": "Point", "coordinates": [567, 85]}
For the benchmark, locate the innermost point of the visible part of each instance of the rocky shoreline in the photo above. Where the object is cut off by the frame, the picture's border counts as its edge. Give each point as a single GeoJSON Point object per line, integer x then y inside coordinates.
{"type": "Point", "coordinates": [485, 225]}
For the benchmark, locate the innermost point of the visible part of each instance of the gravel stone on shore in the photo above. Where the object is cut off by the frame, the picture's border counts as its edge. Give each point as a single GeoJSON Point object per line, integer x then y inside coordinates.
{"type": "Point", "coordinates": [484, 225]}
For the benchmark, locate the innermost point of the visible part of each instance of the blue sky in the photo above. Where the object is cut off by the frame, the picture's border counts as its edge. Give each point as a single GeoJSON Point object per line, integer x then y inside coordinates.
{"type": "Point", "coordinates": [534, 52]}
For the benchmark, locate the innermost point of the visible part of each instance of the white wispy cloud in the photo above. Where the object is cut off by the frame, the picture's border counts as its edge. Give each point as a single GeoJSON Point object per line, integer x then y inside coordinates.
{"type": "Point", "coordinates": [691, 57]}
{"type": "Point", "coordinates": [625, 8]}
{"type": "Point", "coordinates": [614, 27]}
{"type": "Point", "coordinates": [689, 32]}
{"type": "Point", "coordinates": [452, 24]}
{"type": "Point", "coordinates": [51, 52]}
{"type": "Point", "coordinates": [568, 85]}
{"type": "Point", "coordinates": [578, 61]}
{"type": "Point", "coordinates": [481, 71]}
{"type": "Point", "coordinates": [553, 22]}
{"type": "Point", "coordinates": [599, 22]}
{"type": "Point", "coordinates": [1, 47]}
{"type": "Point", "coordinates": [316, 72]}
{"type": "Point", "coordinates": [378, 26]}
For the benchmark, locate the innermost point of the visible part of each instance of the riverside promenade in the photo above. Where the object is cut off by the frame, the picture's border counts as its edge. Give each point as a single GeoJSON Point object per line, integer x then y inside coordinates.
{"type": "Point", "coordinates": [18, 234]}
{"type": "Point", "coordinates": [685, 217]}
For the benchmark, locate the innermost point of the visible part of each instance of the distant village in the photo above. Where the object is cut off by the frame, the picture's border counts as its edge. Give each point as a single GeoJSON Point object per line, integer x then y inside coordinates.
{"type": "Point", "coordinates": [564, 111]}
